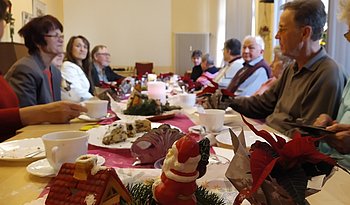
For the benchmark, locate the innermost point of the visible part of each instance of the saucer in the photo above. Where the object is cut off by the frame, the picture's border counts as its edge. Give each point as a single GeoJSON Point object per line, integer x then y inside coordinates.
{"type": "Point", "coordinates": [90, 119]}
{"type": "Point", "coordinates": [200, 129]}
{"type": "Point", "coordinates": [42, 168]}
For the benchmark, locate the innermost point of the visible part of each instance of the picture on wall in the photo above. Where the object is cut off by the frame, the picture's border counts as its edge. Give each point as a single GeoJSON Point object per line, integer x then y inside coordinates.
{"type": "Point", "coordinates": [26, 17]}
{"type": "Point", "coordinates": [39, 8]}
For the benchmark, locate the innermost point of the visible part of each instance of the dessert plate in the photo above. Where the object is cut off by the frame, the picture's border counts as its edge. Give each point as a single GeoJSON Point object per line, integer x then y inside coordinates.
{"type": "Point", "coordinates": [96, 135]}
{"type": "Point", "coordinates": [89, 119]}
{"type": "Point", "coordinates": [19, 150]}
{"type": "Point", "coordinates": [224, 138]}
{"type": "Point", "coordinates": [200, 129]}
{"type": "Point", "coordinates": [213, 159]}
{"type": "Point", "coordinates": [42, 168]}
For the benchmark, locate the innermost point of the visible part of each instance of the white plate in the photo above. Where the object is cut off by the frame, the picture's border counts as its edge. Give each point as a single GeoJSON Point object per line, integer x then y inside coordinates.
{"type": "Point", "coordinates": [89, 119]}
{"type": "Point", "coordinates": [96, 136]}
{"type": "Point", "coordinates": [228, 118]}
{"type": "Point", "coordinates": [199, 129]}
{"type": "Point", "coordinates": [17, 149]}
{"type": "Point", "coordinates": [42, 168]}
{"type": "Point", "coordinates": [250, 137]}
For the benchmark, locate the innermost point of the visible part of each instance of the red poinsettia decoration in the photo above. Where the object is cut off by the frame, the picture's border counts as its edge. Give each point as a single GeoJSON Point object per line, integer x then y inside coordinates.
{"type": "Point", "coordinates": [291, 163]}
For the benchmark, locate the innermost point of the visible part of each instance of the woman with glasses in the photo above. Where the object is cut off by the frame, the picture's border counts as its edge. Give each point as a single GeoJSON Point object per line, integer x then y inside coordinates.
{"type": "Point", "coordinates": [12, 117]}
{"type": "Point", "coordinates": [76, 68]}
{"type": "Point", "coordinates": [33, 78]}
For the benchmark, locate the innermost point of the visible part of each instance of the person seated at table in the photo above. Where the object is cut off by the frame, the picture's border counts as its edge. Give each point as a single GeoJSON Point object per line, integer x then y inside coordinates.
{"type": "Point", "coordinates": [32, 78]}
{"type": "Point", "coordinates": [66, 91]}
{"type": "Point", "coordinates": [209, 70]}
{"type": "Point", "coordinates": [101, 71]}
{"type": "Point", "coordinates": [310, 86]}
{"type": "Point", "coordinates": [196, 58]}
{"type": "Point", "coordinates": [279, 63]}
{"type": "Point", "coordinates": [255, 70]}
{"type": "Point", "coordinates": [233, 60]}
{"type": "Point", "coordinates": [12, 117]}
{"type": "Point", "coordinates": [338, 144]}
{"type": "Point", "coordinates": [76, 68]}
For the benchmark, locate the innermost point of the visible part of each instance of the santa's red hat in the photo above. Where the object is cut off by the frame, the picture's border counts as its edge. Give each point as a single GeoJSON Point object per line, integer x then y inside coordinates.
{"type": "Point", "coordinates": [187, 147]}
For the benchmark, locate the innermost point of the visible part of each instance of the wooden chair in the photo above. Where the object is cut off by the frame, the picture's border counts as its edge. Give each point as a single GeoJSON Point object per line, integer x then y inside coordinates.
{"type": "Point", "coordinates": [142, 68]}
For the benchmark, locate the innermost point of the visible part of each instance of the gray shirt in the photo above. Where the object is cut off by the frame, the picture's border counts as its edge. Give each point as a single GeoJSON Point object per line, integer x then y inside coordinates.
{"type": "Point", "coordinates": [304, 93]}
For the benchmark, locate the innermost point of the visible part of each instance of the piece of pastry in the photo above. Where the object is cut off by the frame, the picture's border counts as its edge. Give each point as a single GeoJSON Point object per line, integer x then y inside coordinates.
{"type": "Point", "coordinates": [115, 133]}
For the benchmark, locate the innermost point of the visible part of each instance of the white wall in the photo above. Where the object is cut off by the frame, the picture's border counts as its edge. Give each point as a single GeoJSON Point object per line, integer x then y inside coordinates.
{"type": "Point", "coordinates": [53, 7]}
{"type": "Point", "coordinates": [133, 30]}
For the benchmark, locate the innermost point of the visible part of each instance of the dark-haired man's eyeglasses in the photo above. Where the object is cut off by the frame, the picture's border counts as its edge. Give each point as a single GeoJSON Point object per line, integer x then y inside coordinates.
{"type": "Point", "coordinates": [104, 54]}
{"type": "Point", "coordinates": [347, 36]}
{"type": "Point", "coordinates": [7, 18]}
{"type": "Point", "coordinates": [57, 36]}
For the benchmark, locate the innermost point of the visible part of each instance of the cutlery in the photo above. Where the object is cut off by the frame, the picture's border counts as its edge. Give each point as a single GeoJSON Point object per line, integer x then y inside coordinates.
{"type": "Point", "coordinates": [33, 154]}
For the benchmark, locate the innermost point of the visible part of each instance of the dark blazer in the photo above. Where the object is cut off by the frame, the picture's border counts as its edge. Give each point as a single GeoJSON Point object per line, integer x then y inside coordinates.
{"type": "Point", "coordinates": [30, 84]}
{"type": "Point", "coordinates": [111, 75]}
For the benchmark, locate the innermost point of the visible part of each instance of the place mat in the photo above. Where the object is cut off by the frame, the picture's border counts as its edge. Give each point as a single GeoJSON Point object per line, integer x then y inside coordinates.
{"type": "Point", "coordinates": [180, 120]}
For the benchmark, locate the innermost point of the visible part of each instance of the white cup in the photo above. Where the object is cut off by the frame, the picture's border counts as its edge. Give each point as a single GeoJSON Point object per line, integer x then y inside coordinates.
{"type": "Point", "coordinates": [64, 146]}
{"type": "Point", "coordinates": [212, 119]}
{"type": "Point", "coordinates": [187, 100]}
{"type": "Point", "coordinates": [96, 108]}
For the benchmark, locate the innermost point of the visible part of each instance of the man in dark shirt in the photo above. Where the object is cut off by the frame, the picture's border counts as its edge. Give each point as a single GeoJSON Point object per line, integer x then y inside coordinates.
{"type": "Point", "coordinates": [101, 71]}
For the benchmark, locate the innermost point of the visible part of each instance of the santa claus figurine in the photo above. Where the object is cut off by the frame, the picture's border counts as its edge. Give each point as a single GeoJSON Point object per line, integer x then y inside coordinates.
{"type": "Point", "coordinates": [185, 161]}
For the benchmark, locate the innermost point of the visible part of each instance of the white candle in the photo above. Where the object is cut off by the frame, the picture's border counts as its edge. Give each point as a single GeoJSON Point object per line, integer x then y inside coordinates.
{"type": "Point", "coordinates": [151, 77]}
{"type": "Point", "coordinates": [156, 90]}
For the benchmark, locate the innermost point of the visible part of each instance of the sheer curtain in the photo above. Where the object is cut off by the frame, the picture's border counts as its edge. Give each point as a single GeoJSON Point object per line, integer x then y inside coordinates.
{"type": "Point", "coordinates": [337, 46]}
{"type": "Point", "coordinates": [277, 13]}
{"type": "Point", "coordinates": [239, 15]}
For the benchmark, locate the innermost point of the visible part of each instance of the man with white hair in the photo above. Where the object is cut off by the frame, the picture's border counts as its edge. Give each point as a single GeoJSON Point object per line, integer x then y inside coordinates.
{"type": "Point", "coordinates": [255, 70]}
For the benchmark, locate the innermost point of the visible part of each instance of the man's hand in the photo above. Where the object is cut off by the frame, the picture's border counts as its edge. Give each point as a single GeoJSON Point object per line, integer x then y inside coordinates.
{"type": "Point", "coordinates": [323, 120]}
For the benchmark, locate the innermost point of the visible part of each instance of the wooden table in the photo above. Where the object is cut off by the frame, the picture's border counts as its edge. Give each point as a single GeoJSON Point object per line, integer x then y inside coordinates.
{"type": "Point", "coordinates": [17, 186]}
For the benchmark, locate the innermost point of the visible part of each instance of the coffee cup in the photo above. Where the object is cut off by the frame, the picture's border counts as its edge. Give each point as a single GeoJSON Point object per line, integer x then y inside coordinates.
{"type": "Point", "coordinates": [64, 146]}
{"type": "Point", "coordinates": [212, 119]}
{"type": "Point", "coordinates": [96, 108]}
{"type": "Point", "coordinates": [187, 100]}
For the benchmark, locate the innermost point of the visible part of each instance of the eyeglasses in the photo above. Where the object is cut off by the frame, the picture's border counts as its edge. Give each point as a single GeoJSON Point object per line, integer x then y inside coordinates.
{"type": "Point", "coordinates": [104, 54]}
{"type": "Point", "coordinates": [347, 36]}
{"type": "Point", "coordinates": [7, 18]}
{"type": "Point", "coordinates": [57, 36]}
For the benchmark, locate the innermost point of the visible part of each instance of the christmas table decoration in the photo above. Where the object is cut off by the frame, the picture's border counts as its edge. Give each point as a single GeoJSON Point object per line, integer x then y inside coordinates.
{"type": "Point", "coordinates": [276, 171]}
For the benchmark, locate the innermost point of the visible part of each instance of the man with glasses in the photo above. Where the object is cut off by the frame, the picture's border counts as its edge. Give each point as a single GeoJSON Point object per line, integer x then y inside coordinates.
{"type": "Point", "coordinates": [101, 72]}
{"type": "Point", "coordinates": [309, 87]}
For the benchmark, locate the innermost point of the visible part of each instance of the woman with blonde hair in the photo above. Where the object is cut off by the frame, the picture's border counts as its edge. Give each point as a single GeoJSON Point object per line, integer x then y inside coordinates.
{"type": "Point", "coordinates": [279, 63]}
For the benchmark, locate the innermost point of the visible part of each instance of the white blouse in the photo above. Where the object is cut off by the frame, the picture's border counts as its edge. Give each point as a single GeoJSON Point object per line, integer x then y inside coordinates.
{"type": "Point", "coordinates": [80, 84]}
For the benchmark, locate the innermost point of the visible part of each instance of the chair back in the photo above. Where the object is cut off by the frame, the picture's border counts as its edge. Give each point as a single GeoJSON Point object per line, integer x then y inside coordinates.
{"type": "Point", "coordinates": [142, 68]}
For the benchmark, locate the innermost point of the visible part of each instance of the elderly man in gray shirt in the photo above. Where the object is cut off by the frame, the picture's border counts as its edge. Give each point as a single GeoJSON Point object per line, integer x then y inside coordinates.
{"type": "Point", "coordinates": [313, 85]}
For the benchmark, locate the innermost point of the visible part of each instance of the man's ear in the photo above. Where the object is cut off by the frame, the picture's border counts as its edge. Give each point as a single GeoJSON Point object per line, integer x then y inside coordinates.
{"type": "Point", "coordinates": [307, 32]}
